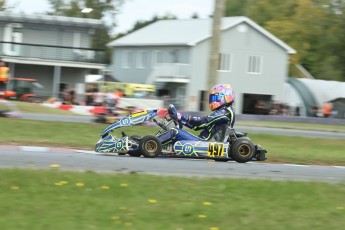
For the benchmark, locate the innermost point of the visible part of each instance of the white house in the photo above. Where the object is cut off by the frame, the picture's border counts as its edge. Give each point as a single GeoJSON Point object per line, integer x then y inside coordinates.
{"type": "Point", "coordinates": [174, 55]}
{"type": "Point", "coordinates": [55, 50]}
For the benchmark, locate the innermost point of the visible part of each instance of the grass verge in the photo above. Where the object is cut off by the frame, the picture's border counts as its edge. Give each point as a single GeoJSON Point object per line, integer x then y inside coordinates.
{"type": "Point", "coordinates": [62, 200]}
{"type": "Point", "coordinates": [26, 107]}
{"type": "Point", "coordinates": [284, 149]}
{"type": "Point", "coordinates": [291, 125]}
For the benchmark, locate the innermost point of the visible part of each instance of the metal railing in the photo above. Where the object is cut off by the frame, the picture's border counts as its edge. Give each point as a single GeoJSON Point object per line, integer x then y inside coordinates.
{"type": "Point", "coordinates": [177, 70]}
{"type": "Point", "coordinates": [170, 72]}
{"type": "Point", "coordinates": [51, 52]}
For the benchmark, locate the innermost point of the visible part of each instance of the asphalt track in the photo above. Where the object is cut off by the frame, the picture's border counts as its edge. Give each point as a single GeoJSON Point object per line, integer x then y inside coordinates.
{"type": "Point", "coordinates": [79, 160]}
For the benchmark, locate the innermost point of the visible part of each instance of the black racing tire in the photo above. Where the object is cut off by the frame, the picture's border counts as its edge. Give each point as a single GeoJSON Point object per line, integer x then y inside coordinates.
{"type": "Point", "coordinates": [242, 150]}
{"type": "Point", "coordinates": [135, 153]}
{"type": "Point", "coordinates": [150, 146]}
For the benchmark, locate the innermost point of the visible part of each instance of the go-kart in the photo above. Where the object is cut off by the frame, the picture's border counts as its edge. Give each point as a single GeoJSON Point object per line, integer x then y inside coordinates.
{"type": "Point", "coordinates": [8, 109]}
{"type": "Point", "coordinates": [227, 144]}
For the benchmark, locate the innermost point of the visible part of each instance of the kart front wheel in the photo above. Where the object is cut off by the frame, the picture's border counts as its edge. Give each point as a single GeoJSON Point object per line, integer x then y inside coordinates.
{"type": "Point", "coordinates": [135, 153]}
{"type": "Point", "coordinates": [150, 146]}
{"type": "Point", "coordinates": [242, 150]}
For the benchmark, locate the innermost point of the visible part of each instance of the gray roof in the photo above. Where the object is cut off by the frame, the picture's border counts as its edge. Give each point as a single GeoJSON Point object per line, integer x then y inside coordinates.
{"type": "Point", "coordinates": [50, 19]}
{"type": "Point", "coordinates": [186, 32]}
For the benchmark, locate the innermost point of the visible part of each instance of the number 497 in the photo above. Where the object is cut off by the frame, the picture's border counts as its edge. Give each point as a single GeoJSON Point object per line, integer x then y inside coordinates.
{"type": "Point", "coordinates": [215, 149]}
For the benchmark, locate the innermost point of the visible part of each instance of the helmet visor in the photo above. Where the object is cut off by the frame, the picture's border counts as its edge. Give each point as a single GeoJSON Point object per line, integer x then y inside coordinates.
{"type": "Point", "coordinates": [215, 97]}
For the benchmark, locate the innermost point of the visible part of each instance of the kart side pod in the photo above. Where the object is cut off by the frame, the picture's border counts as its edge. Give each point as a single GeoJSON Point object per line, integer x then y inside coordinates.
{"type": "Point", "coordinates": [109, 143]}
{"type": "Point", "coordinates": [205, 149]}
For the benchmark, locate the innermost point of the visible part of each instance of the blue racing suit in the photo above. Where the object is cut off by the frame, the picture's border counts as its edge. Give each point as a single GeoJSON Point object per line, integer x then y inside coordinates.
{"type": "Point", "coordinates": [209, 125]}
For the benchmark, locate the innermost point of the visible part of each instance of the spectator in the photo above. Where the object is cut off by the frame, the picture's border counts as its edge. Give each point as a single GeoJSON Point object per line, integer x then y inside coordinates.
{"type": "Point", "coordinates": [72, 97]}
{"type": "Point", "coordinates": [297, 111]}
{"type": "Point", "coordinates": [260, 107]}
{"type": "Point", "coordinates": [89, 95]}
{"type": "Point", "coordinates": [315, 111]}
{"type": "Point", "coordinates": [3, 75]}
{"type": "Point", "coordinates": [111, 100]}
{"type": "Point", "coordinates": [65, 96]}
{"type": "Point", "coordinates": [326, 109]}
{"type": "Point", "coordinates": [275, 109]}
{"type": "Point", "coordinates": [99, 98]}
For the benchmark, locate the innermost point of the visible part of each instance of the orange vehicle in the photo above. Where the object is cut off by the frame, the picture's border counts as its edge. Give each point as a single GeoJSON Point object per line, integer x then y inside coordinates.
{"type": "Point", "coordinates": [21, 89]}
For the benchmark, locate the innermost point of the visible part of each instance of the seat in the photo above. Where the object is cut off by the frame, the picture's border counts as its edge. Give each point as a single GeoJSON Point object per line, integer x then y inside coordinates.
{"type": "Point", "coordinates": [222, 133]}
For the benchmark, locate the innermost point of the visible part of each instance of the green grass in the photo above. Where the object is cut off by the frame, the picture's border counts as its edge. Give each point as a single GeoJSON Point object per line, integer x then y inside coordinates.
{"type": "Point", "coordinates": [26, 107]}
{"type": "Point", "coordinates": [284, 149]}
{"type": "Point", "coordinates": [289, 125]}
{"type": "Point", "coordinates": [33, 200]}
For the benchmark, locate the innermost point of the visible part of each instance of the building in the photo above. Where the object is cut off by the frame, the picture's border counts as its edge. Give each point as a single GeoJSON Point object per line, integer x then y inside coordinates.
{"type": "Point", "coordinates": [308, 93]}
{"type": "Point", "coordinates": [55, 50]}
{"type": "Point", "coordinates": [174, 55]}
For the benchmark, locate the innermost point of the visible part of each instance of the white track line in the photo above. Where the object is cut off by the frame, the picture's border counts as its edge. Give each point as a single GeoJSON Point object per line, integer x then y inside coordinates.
{"type": "Point", "coordinates": [88, 152]}
{"type": "Point", "coordinates": [294, 165]}
{"type": "Point", "coordinates": [33, 149]}
{"type": "Point", "coordinates": [339, 167]}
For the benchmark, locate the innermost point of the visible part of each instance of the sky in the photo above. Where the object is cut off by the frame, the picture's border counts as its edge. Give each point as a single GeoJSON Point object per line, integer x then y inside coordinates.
{"type": "Point", "coordinates": [133, 10]}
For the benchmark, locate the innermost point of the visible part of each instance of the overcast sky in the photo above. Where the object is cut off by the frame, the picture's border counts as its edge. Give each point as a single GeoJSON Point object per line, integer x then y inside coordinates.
{"type": "Point", "coordinates": [133, 10]}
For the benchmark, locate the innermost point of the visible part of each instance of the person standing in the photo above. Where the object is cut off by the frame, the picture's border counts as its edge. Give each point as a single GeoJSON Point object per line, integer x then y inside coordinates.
{"type": "Point", "coordinates": [3, 75]}
{"type": "Point", "coordinates": [326, 109]}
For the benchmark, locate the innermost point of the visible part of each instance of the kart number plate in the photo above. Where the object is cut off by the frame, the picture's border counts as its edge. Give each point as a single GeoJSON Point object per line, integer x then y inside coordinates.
{"type": "Point", "coordinates": [215, 149]}
{"type": "Point", "coordinates": [139, 113]}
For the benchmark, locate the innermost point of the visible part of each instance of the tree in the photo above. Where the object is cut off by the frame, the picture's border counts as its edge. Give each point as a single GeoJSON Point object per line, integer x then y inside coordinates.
{"type": "Point", "coordinates": [140, 24]}
{"type": "Point", "coordinates": [2, 5]}
{"type": "Point", "coordinates": [72, 8]}
{"type": "Point", "coordinates": [315, 28]}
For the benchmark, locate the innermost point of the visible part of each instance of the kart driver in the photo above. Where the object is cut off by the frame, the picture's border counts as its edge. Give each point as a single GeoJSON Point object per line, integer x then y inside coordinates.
{"type": "Point", "coordinates": [221, 98]}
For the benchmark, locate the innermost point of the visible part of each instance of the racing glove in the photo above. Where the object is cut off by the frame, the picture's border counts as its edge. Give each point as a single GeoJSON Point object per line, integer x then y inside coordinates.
{"type": "Point", "coordinates": [176, 116]}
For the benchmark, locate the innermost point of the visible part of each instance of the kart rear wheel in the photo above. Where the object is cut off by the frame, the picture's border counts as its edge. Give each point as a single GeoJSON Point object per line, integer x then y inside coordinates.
{"type": "Point", "coordinates": [242, 150]}
{"type": "Point", "coordinates": [150, 146]}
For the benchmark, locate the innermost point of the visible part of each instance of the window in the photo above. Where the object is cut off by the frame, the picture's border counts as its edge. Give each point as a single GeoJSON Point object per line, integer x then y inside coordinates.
{"type": "Point", "coordinates": [174, 56]}
{"type": "Point", "coordinates": [141, 59]}
{"type": "Point", "coordinates": [126, 59]}
{"type": "Point", "coordinates": [225, 62]}
{"type": "Point", "coordinates": [157, 57]}
{"type": "Point", "coordinates": [12, 34]}
{"type": "Point", "coordinates": [254, 64]}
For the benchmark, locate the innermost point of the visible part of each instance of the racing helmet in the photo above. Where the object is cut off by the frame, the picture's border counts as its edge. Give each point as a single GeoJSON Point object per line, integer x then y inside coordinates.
{"type": "Point", "coordinates": [220, 95]}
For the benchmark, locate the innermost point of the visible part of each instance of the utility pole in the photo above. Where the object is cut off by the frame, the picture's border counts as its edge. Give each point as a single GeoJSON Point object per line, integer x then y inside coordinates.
{"type": "Point", "coordinates": [215, 44]}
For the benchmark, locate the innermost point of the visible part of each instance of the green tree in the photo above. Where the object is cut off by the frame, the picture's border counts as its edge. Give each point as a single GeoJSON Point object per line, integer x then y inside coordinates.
{"type": "Point", "coordinates": [140, 24]}
{"type": "Point", "coordinates": [2, 5]}
{"type": "Point", "coordinates": [236, 7]}
{"type": "Point", "coordinates": [315, 28]}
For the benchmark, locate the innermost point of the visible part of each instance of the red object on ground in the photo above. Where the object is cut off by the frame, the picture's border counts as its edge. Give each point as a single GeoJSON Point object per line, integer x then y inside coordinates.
{"type": "Point", "coordinates": [65, 107]}
{"type": "Point", "coordinates": [98, 110]}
